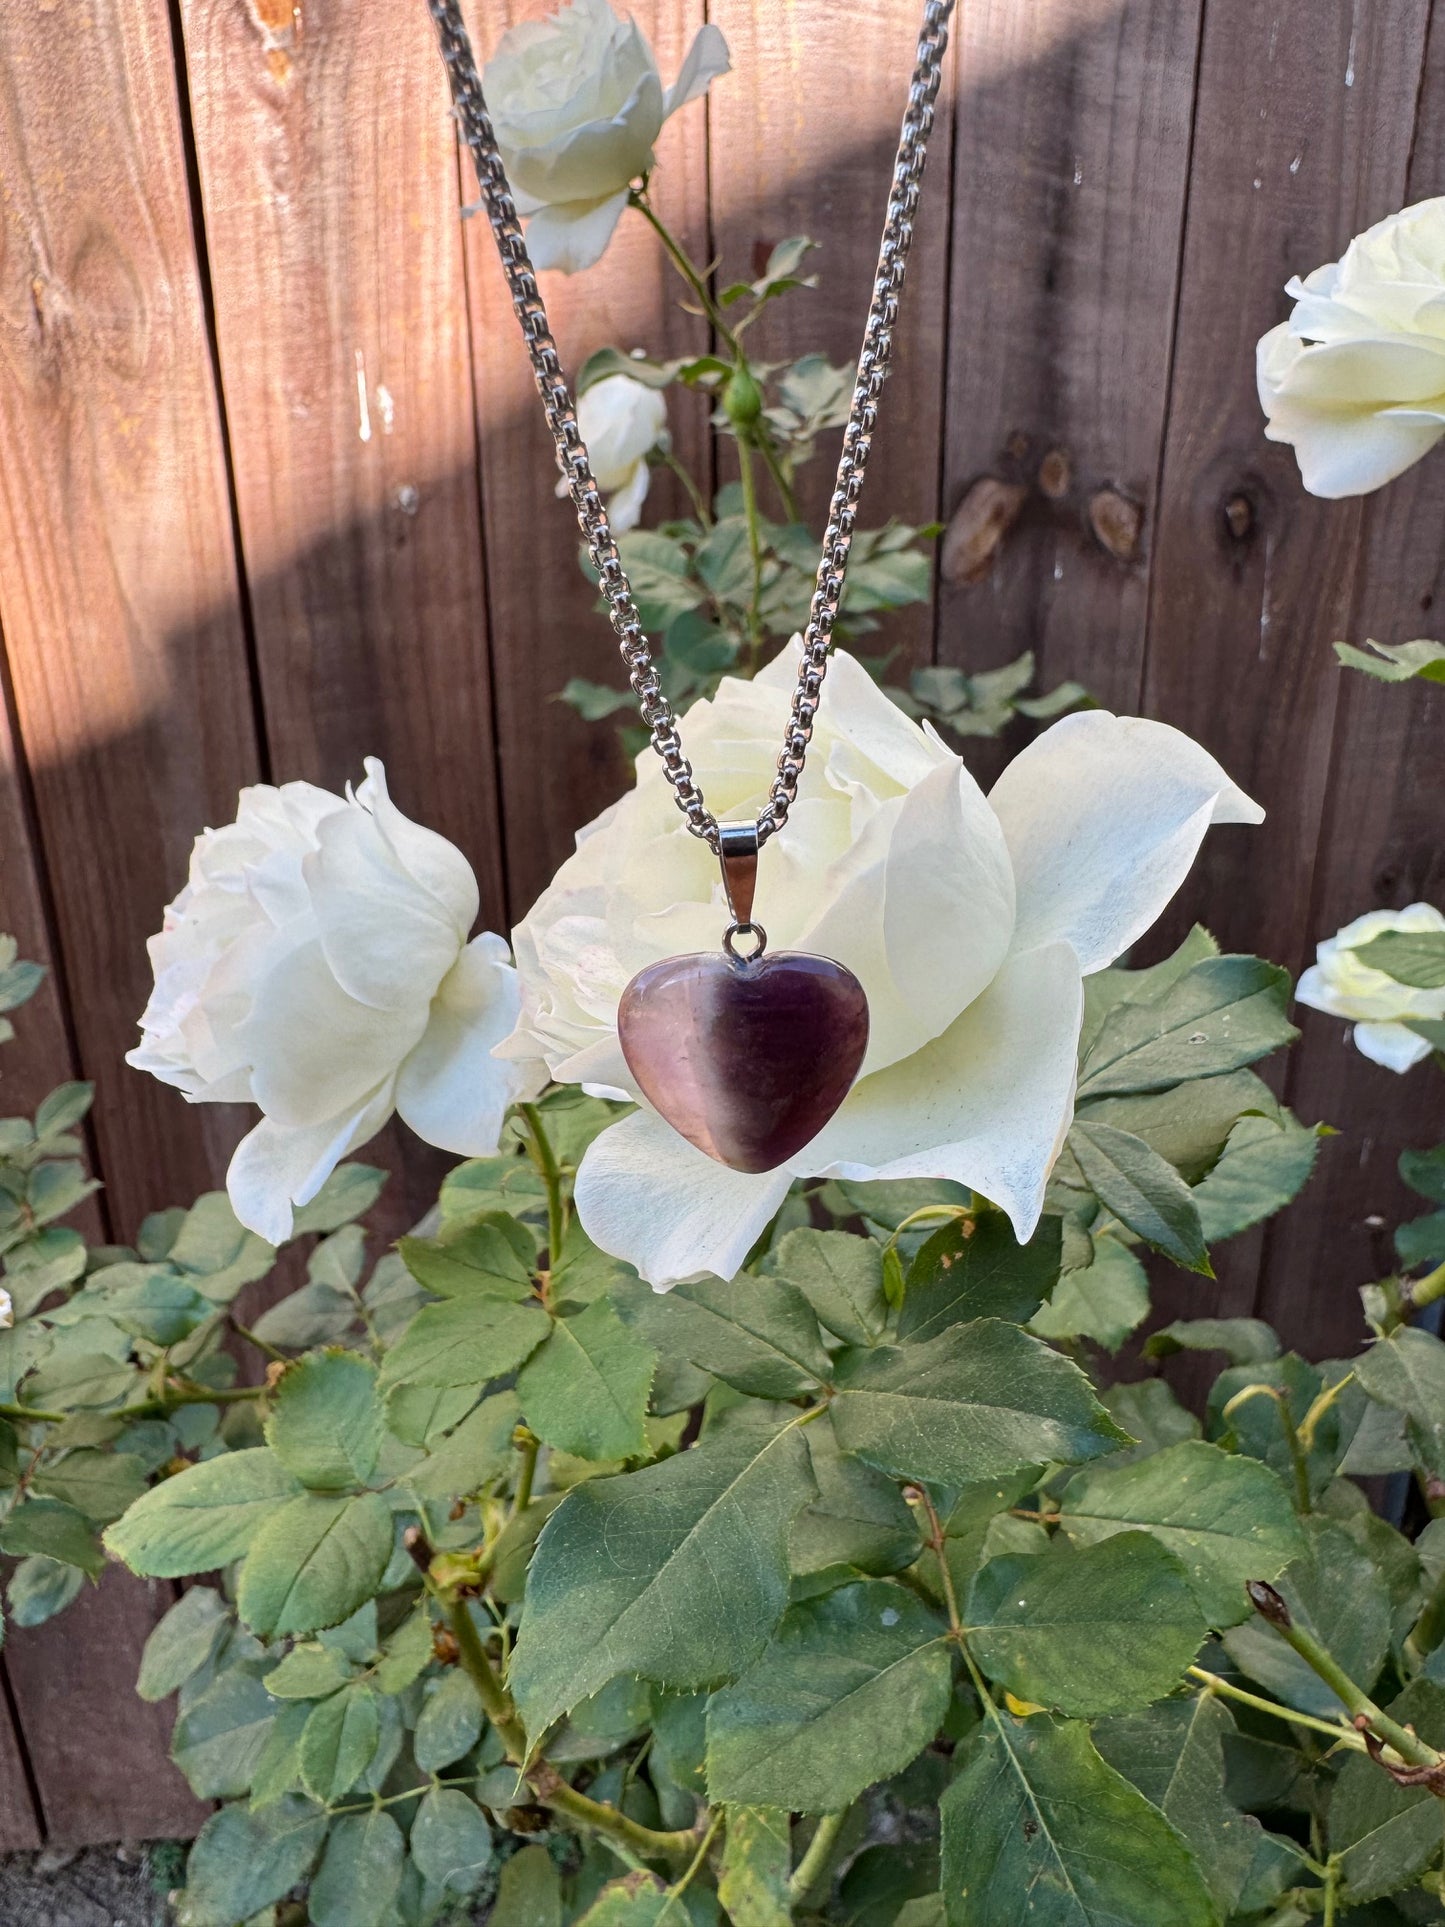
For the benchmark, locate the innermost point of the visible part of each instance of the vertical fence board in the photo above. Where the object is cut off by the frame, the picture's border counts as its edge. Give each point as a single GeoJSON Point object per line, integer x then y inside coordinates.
{"type": "Point", "coordinates": [802, 136]}
{"type": "Point", "coordinates": [1071, 158]}
{"type": "Point", "coordinates": [557, 771]}
{"type": "Point", "coordinates": [1302, 132]}
{"type": "Point", "coordinates": [19, 1822]}
{"type": "Point", "coordinates": [1380, 845]}
{"type": "Point", "coordinates": [328, 169]}
{"type": "Point", "coordinates": [117, 593]}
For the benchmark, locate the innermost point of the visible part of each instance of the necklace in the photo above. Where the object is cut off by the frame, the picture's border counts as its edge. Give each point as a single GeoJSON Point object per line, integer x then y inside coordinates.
{"type": "Point", "coordinates": [746, 1054]}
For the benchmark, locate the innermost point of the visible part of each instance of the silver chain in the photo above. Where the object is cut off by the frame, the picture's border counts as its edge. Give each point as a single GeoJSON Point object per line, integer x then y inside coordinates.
{"type": "Point", "coordinates": [873, 362]}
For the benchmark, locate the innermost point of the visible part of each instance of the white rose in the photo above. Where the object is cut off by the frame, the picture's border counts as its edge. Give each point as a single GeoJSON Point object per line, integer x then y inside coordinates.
{"type": "Point", "coordinates": [1355, 379]}
{"type": "Point", "coordinates": [317, 964]}
{"type": "Point", "coordinates": [970, 921]}
{"type": "Point", "coordinates": [7, 1310]}
{"type": "Point", "coordinates": [622, 421]}
{"type": "Point", "coordinates": [577, 102]}
{"type": "Point", "coordinates": [1344, 986]}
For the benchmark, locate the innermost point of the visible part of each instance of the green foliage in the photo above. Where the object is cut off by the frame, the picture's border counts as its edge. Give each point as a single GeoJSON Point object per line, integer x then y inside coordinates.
{"type": "Point", "coordinates": [1395, 661]}
{"type": "Point", "coordinates": [841, 1592]}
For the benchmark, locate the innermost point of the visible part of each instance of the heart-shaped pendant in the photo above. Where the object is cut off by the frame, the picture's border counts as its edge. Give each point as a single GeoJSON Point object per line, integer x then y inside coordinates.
{"type": "Point", "coordinates": [747, 1058]}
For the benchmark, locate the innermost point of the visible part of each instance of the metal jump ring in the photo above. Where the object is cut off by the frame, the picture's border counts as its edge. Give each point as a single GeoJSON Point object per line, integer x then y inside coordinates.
{"type": "Point", "coordinates": [737, 930]}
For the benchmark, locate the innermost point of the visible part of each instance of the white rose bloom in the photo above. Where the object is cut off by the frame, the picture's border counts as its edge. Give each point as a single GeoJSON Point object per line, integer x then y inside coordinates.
{"type": "Point", "coordinates": [1355, 379]}
{"type": "Point", "coordinates": [1340, 983]}
{"type": "Point", "coordinates": [622, 421]}
{"type": "Point", "coordinates": [577, 102]}
{"type": "Point", "coordinates": [7, 1310]}
{"type": "Point", "coordinates": [317, 964]}
{"type": "Point", "coordinates": [970, 920]}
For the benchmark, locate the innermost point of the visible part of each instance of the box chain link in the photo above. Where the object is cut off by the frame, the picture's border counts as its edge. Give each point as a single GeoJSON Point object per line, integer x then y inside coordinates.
{"type": "Point", "coordinates": [873, 362]}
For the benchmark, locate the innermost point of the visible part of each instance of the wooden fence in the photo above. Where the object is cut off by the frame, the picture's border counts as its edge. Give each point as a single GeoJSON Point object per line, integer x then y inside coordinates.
{"type": "Point", "coordinates": [275, 494]}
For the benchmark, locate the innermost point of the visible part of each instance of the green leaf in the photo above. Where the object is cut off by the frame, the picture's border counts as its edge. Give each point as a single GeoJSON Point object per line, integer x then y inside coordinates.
{"type": "Point", "coordinates": [1103, 1301]}
{"type": "Point", "coordinates": [1245, 1341]}
{"type": "Point", "coordinates": [1174, 1754]}
{"type": "Point", "coordinates": [204, 1517]}
{"type": "Point", "coordinates": [219, 1735]}
{"type": "Point", "coordinates": [841, 1277]}
{"type": "Point", "coordinates": [337, 1743]}
{"type": "Point", "coordinates": [529, 1893]}
{"type": "Point", "coordinates": [86, 1379]}
{"type": "Point", "coordinates": [1424, 1171]}
{"type": "Point", "coordinates": [858, 1519]}
{"type": "Point", "coordinates": [637, 1900]}
{"type": "Point", "coordinates": [1227, 1519]}
{"type": "Point", "coordinates": [1396, 662]}
{"type": "Point", "coordinates": [1388, 1834]}
{"type": "Point", "coordinates": [976, 1268]}
{"type": "Point", "coordinates": [1265, 1164]}
{"type": "Point", "coordinates": [318, 1314]}
{"type": "Point", "coordinates": [1223, 1013]}
{"type": "Point", "coordinates": [1188, 1124]}
{"type": "Point", "coordinates": [469, 1457]}
{"type": "Point", "coordinates": [450, 1723]}
{"type": "Point", "coordinates": [978, 1402]}
{"type": "Point", "coordinates": [1037, 1827]}
{"type": "Point", "coordinates": [55, 1529]}
{"type": "Point", "coordinates": [1102, 1629]}
{"type": "Point", "coordinates": [40, 1588]}
{"type": "Point", "coordinates": [451, 1842]}
{"type": "Point", "coordinates": [480, 1259]}
{"type": "Point", "coordinates": [466, 1341]}
{"type": "Point", "coordinates": [181, 1642]}
{"type": "Point", "coordinates": [759, 1335]}
{"type": "Point", "coordinates": [359, 1878]}
{"type": "Point", "coordinates": [585, 1390]}
{"type": "Point", "coordinates": [1414, 957]}
{"type": "Point", "coordinates": [99, 1484]}
{"type": "Point", "coordinates": [852, 1686]}
{"type": "Point", "coordinates": [242, 1860]}
{"type": "Point", "coordinates": [350, 1191]}
{"type": "Point", "coordinates": [1144, 1193]}
{"type": "Point", "coordinates": [753, 1878]}
{"type": "Point", "coordinates": [159, 1307]}
{"type": "Point", "coordinates": [313, 1562]}
{"type": "Point", "coordinates": [1406, 1372]}
{"type": "Point", "coordinates": [326, 1423]}
{"type": "Point", "coordinates": [677, 1572]}
{"type": "Point", "coordinates": [308, 1672]}
{"type": "Point", "coordinates": [1334, 1591]}
{"type": "Point", "coordinates": [406, 1653]}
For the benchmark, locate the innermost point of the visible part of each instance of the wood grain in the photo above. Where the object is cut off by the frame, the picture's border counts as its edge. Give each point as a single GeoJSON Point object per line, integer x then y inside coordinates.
{"type": "Point", "coordinates": [19, 1822]}
{"type": "Point", "coordinates": [119, 609]}
{"type": "Point", "coordinates": [783, 160]}
{"type": "Point", "coordinates": [557, 771]}
{"type": "Point", "coordinates": [117, 574]}
{"type": "Point", "coordinates": [1380, 845]}
{"type": "Point", "coordinates": [1071, 159]}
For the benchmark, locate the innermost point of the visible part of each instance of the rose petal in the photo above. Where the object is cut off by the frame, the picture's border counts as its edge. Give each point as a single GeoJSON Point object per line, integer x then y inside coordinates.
{"type": "Point", "coordinates": [647, 1196]}
{"type": "Point", "coordinates": [624, 508]}
{"type": "Point", "coordinates": [276, 1166]}
{"type": "Point", "coordinates": [1103, 816]}
{"type": "Point", "coordinates": [573, 235]}
{"type": "Point", "coordinates": [988, 1104]}
{"type": "Point", "coordinates": [451, 1090]}
{"type": "Point", "coordinates": [706, 60]}
{"type": "Point", "coordinates": [425, 856]}
{"type": "Point", "coordinates": [1392, 1045]}
{"type": "Point", "coordinates": [316, 1052]}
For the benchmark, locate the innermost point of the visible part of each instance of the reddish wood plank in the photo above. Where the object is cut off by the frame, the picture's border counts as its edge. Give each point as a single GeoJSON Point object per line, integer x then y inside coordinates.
{"type": "Point", "coordinates": [1380, 844]}
{"type": "Point", "coordinates": [784, 160]}
{"type": "Point", "coordinates": [117, 578]}
{"type": "Point", "coordinates": [557, 771]}
{"type": "Point", "coordinates": [118, 601]}
{"type": "Point", "coordinates": [19, 1822]}
{"type": "Point", "coordinates": [100, 1755]}
{"type": "Point", "coordinates": [1070, 162]}
{"type": "Point", "coordinates": [328, 170]}
{"type": "Point", "coordinates": [1249, 576]}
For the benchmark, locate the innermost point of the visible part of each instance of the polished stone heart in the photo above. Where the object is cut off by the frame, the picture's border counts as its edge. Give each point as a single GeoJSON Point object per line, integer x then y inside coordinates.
{"type": "Point", "coordinates": [748, 1059]}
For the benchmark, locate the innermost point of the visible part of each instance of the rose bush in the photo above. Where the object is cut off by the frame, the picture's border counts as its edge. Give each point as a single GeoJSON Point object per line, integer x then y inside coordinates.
{"type": "Point", "coordinates": [622, 421]}
{"type": "Point", "coordinates": [1381, 1008]}
{"type": "Point", "coordinates": [970, 921]}
{"type": "Point", "coordinates": [317, 964]}
{"type": "Point", "coordinates": [577, 102]}
{"type": "Point", "coordinates": [1355, 379]}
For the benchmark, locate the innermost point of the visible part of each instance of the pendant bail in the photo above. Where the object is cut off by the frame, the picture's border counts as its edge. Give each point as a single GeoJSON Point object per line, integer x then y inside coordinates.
{"type": "Point", "coordinates": [737, 848]}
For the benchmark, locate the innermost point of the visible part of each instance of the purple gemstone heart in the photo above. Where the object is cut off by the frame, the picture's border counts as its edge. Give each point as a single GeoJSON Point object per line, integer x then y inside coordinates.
{"type": "Point", "coordinates": [748, 1059]}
